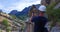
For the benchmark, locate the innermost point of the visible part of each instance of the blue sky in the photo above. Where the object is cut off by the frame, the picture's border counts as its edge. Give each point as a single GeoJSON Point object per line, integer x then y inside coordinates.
{"type": "Point", "coordinates": [9, 5]}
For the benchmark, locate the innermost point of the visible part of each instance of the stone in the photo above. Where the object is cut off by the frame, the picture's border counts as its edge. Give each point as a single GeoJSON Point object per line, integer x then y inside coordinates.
{"type": "Point", "coordinates": [55, 29]}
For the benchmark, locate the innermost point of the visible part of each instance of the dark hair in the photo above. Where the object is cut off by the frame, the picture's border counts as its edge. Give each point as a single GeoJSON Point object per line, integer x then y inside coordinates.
{"type": "Point", "coordinates": [33, 6]}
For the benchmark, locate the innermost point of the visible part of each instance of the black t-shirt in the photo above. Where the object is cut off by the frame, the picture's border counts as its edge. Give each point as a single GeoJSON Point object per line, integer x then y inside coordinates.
{"type": "Point", "coordinates": [39, 22]}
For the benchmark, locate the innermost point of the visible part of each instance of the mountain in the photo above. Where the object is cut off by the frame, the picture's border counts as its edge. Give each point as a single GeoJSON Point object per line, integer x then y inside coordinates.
{"type": "Point", "coordinates": [13, 12]}
{"type": "Point", "coordinates": [24, 12]}
{"type": "Point", "coordinates": [0, 10]}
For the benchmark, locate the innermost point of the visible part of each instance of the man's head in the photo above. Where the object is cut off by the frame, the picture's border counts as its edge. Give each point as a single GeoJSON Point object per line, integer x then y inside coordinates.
{"type": "Point", "coordinates": [41, 13]}
{"type": "Point", "coordinates": [42, 10]}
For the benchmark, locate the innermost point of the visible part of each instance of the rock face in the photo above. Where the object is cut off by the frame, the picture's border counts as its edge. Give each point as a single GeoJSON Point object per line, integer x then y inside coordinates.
{"type": "Point", "coordinates": [55, 29]}
{"type": "Point", "coordinates": [13, 12]}
{"type": "Point", "coordinates": [57, 6]}
{"type": "Point", "coordinates": [45, 1]}
{"type": "Point", "coordinates": [49, 1]}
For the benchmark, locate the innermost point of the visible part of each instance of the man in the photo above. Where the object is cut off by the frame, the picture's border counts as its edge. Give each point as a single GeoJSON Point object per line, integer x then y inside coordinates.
{"type": "Point", "coordinates": [42, 8]}
{"type": "Point", "coordinates": [40, 21]}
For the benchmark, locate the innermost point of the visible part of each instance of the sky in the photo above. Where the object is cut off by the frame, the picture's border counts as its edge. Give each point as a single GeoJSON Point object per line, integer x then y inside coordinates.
{"type": "Point", "coordinates": [9, 5]}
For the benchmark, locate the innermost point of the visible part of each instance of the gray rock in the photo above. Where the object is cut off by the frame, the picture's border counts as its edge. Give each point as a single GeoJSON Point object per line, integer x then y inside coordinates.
{"type": "Point", "coordinates": [55, 29]}
{"type": "Point", "coordinates": [57, 6]}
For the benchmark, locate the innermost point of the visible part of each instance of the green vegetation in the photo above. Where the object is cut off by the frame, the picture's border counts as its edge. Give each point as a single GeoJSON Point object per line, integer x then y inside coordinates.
{"type": "Point", "coordinates": [23, 17]}
{"type": "Point", "coordinates": [6, 24]}
{"type": "Point", "coordinates": [13, 16]}
{"type": "Point", "coordinates": [0, 30]}
{"type": "Point", "coordinates": [53, 14]}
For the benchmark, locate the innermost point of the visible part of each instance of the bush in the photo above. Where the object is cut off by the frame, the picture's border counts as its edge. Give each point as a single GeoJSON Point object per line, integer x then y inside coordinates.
{"type": "Point", "coordinates": [53, 14]}
{"type": "Point", "coordinates": [5, 22]}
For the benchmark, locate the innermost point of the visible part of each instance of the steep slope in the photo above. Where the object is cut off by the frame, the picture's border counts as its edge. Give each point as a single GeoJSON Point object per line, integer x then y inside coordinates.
{"type": "Point", "coordinates": [24, 11]}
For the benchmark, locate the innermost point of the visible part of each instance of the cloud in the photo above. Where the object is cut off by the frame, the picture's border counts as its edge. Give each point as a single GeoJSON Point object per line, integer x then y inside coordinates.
{"type": "Point", "coordinates": [17, 4]}
{"type": "Point", "coordinates": [1, 6]}
{"type": "Point", "coordinates": [25, 4]}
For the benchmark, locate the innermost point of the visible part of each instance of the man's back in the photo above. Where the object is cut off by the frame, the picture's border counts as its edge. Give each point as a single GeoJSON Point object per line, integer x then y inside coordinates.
{"type": "Point", "coordinates": [39, 22]}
